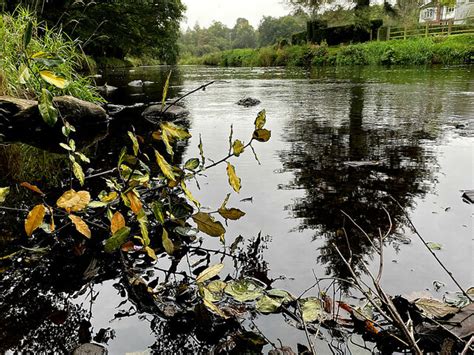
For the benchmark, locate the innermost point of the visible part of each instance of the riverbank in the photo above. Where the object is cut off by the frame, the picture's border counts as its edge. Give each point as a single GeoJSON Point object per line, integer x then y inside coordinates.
{"type": "Point", "coordinates": [419, 51]}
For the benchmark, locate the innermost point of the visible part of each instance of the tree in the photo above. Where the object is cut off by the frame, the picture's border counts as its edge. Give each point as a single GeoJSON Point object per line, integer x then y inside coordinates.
{"type": "Point", "coordinates": [243, 34]}
{"type": "Point", "coordinates": [312, 7]}
{"type": "Point", "coordinates": [273, 29]}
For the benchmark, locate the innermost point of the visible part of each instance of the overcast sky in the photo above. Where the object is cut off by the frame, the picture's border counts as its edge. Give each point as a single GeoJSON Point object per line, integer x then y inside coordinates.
{"type": "Point", "coordinates": [227, 11]}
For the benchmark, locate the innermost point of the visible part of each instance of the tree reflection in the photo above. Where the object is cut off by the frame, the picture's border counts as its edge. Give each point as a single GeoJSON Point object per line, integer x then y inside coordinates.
{"type": "Point", "coordinates": [356, 168]}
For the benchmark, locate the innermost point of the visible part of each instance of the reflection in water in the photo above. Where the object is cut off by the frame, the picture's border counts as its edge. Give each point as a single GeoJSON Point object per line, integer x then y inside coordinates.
{"type": "Point", "coordinates": [356, 168]}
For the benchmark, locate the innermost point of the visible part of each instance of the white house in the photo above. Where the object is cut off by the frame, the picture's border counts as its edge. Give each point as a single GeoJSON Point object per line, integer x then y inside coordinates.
{"type": "Point", "coordinates": [432, 12]}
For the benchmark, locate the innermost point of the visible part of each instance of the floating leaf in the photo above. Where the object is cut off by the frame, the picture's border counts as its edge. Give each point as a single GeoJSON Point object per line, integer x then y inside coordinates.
{"type": "Point", "coordinates": [212, 307]}
{"type": "Point", "coordinates": [216, 288]}
{"type": "Point", "coordinates": [53, 79]}
{"type": "Point", "coordinates": [189, 195]}
{"type": "Point", "coordinates": [33, 188]}
{"type": "Point", "coordinates": [74, 201]}
{"type": "Point", "coordinates": [284, 295]}
{"type": "Point", "coordinates": [117, 222]}
{"type": "Point", "coordinates": [80, 225]}
{"type": "Point", "coordinates": [267, 304]}
{"type": "Point", "coordinates": [434, 308]}
{"type": "Point", "coordinates": [46, 109]}
{"type": "Point", "coordinates": [78, 172]}
{"type": "Point", "coordinates": [167, 243]}
{"type": "Point", "coordinates": [165, 90]}
{"type": "Point", "coordinates": [209, 273]}
{"type": "Point", "coordinates": [262, 135]}
{"type": "Point", "coordinates": [34, 219]}
{"type": "Point", "coordinates": [135, 144]}
{"type": "Point", "coordinates": [191, 164]}
{"type": "Point", "coordinates": [4, 191]}
{"type": "Point", "coordinates": [237, 148]}
{"type": "Point", "coordinates": [434, 246]}
{"type": "Point", "coordinates": [116, 241]}
{"type": "Point", "coordinates": [234, 180]}
{"type": "Point", "coordinates": [208, 225]}
{"type": "Point", "coordinates": [165, 167]}
{"type": "Point", "coordinates": [311, 309]}
{"type": "Point", "coordinates": [244, 290]}
{"type": "Point", "coordinates": [261, 119]}
{"type": "Point", "coordinates": [135, 203]}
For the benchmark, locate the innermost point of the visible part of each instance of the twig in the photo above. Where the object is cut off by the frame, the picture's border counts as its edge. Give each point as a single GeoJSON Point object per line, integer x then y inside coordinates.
{"type": "Point", "coordinates": [202, 87]}
{"type": "Point", "coordinates": [468, 346]}
{"type": "Point", "coordinates": [310, 343]}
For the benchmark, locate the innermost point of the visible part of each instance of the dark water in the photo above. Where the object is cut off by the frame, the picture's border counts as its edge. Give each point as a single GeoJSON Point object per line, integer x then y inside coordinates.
{"type": "Point", "coordinates": [351, 140]}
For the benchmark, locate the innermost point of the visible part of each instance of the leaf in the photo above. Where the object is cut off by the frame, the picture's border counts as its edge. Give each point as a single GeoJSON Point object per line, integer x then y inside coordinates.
{"type": "Point", "coordinates": [165, 90]}
{"type": "Point", "coordinates": [116, 241]}
{"type": "Point", "coordinates": [434, 246]}
{"type": "Point", "coordinates": [260, 120]}
{"type": "Point", "coordinates": [46, 109]}
{"type": "Point", "coordinates": [33, 188]}
{"type": "Point", "coordinates": [234, 180]}
{"type": "Point", "coordinates": [212, 307]}
{"type": "Point", "coordinates": [187, 232]}
{"type": "Point", "coordinates": [143, 222]}
{"type": "Point", "coordinates": [109, 198]}
{"type": "Point", "coordinates": [83, 157]}
{"type": "Point", "coordinates": [134, 140]}
{"type": "Point", "coordinates": [209, 273]}
{"type": "Point", "coordinates": [24, 75]}
{"type": "Point", "coordinates": [164, 166]}
{"type": "Point", "coordinates": [206, 224]}
{"type": "Point", "coordinates": [237, 147]}
{"type": "Point", "coordinates": [434, 308]}
{"type": "Point", "coordinates": [151, 253]}
{"type": "Point", "coordinates": [174, 131]}
{"type": "Point", "coordinates": [34, 219]}
{"type": "Point", "coordinates": [157, 208]}
{"type": "Point", "coordinates": [311, 309]}
{"type": "Point", "coordinates": [74, 201]}
{"type": "Point", "coordinates": [53, 79]}
{"type": "Point", "coordinates": [189, 195]}
{"type": "Point", "coordinates": [80, 225]}
{"type": "Point", "coordinates": [167, 243]}
{"type": "Point", "coordinates": [192, 164]}
{"type": "Point", "coordinates": [201, 151]}
{"type": "Point", "coordinates": [78, 172]}
{"type": "Point", "coordinates": [231, 213]}
{"type": "Point", "coordinates": [28, 34]}
{"type": "Point", "coordinates": [267, 304]}
{"type": "Point", "coordinates": [117, 222]}
{"type": "Point", "coordinates": [244, 290]}
{"type": "Point", "coordinates": [262, 135]}
{"type": "Point", "coordinates": [217, 288]}
{"type": "Point", "coordinates": [135, 203]}
{"type": "Point", "coordinates": [4, 191]}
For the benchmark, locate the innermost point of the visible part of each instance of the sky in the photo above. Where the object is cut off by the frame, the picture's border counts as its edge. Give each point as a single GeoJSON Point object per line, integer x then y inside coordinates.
{"type": "Point", "coordinates": [227, 11]}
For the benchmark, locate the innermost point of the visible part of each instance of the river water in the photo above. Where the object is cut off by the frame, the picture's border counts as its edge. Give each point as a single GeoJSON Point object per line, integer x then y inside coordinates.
{"type": "Point", "coordinates": [361, 142]}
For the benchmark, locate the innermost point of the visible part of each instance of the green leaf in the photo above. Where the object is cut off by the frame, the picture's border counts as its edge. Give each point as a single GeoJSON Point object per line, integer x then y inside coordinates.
{"type": "Point", "coordinates": [157, 208]}
{"type": "Point", "coordinates": [174, 132]}
{"type": "Point", "coordinates": [208, 225]}
{"type": "Point", "coordinates": [4, 191]}
{"type": "Point", "coordinates": [143, 222]}
{"type": "Point", "coordinates": [234, 180]}
{"type": "Point", "coordinates": [237, 148]}
{"type": "Point", "coordinates": [46, 108]}
{"type": "Point", "coordinates": [244, 290]}
{"type": "Point", "coordinates": [165, 90]}
{"type": "Point", "coordinates": [116, 241]}
{"type": "Point", "coordinates": [312, 309]}
{"type": "Point", "coordinates": [24, 75]}
{"type": "Point", "coordinates": [186, 231]}
{"type": "Point", "coordinates": [434, 308]}
{"type": "Point", "coordinates": [212, 307]}
{"type": "Point", "coordinates": [434, 246]}
{"type": "Point", "coordinates": [189, 195]}
{"type": "Point", "coordinates": [192, 164]}
{"type": "Point", "coordinates": [28, 34]}
{"type": "Point", "coordinates": [261, 119]}
{"type": "Point", "coordinates": [83, 157]}
{"type": "Point", "coordinates": [262, 135]}
{"type": "Point", "coordinates": [53, 79]}
{"type": "Point", "coordinates": [267, 304]}
{"type": "Point", "coordinates": [167, 243]}
{"type": "Point", "coordinates": [78, 172]}
{"type": "Point", "coordinates": [209, 273]}
{"type": "Point", "coordinates": [134, 140]}
{"type": "Point", "coordinates": [165, 167]}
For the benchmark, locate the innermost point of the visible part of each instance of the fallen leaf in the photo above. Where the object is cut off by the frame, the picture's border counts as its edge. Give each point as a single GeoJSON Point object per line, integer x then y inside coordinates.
{"type": "Point", "coordinates": [311, 309]}
{"type": "Point", "coordinates": [434, 308]}
{"type": "Point", "coordinates": [209, 273]}
{"type": "Point", "coordinates": [244, 290]}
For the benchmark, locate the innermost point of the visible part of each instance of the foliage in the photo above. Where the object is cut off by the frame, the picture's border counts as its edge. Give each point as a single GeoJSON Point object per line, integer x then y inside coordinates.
{"type": "Point", "coordinates": [272, 30]}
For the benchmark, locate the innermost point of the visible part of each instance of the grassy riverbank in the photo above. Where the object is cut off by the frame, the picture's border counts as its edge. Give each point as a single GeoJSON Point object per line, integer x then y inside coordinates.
{"type": "Point", "coordinates": [418, 51]}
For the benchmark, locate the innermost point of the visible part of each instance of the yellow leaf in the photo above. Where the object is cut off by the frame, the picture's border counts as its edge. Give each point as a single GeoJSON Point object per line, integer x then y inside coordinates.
{"type": "Point", "coordinates": [167, 242]}
{"type": "Point", "coordinates": [189, 195]}
{"type": "Point", "coordinates": [117, 222]}
{"type": "Point", "coordinates": [237, 147]}
{"type": "Point", "coordinates": [166, 140]}
{"type": "Point", "coordinates": [24, 75]}
{"type": "Point", "coordinates": [4, 191]}
{"type": "Point", "coordinates": [165, 90]}
{"type": "Point", "coordinates": [74, 201]}
{"type": "Point", "coordinates": [39, 55]}
{"type": "Point", "coordinates": [110, 197]}
{"type": "Point", "coordinates": [261, 119]}
{"type": "Point", "coordinates": [234, 180]}
{"type": "Point", "coordinates": [78, 172]}
{"type": "Point", "coordinates": [135, 203]}
{"type": "Point", "coordinates": [34, 219]}
{"type": "Point", "coordinates": [262, 135]}
{"type": "Point", "coordinates": [208, 225]}
{"type": "Point", "coordinates": [80, 225]}
{"type": "Point", "coordinates": [34, 188]}
{"type": "Point", "coordinates": [53, 79]}
{"type": "Point", "coordinates": [134, 140]}
{"type": "Point", "coordinates": [231, 213]}
{"type": "Point", "coordinates": [212, 307]}
{"type": "Point", "coordinates": [151, 253]}
{"type": "Point", "coordinates": [143, 222]}
{"type": "Point", "coordinates": [164, 166]}
{"type": "Point", "coordinates": [52, 226]}
{"type": "Point", "coordinates": [209, 273]}
{"type": "Point", "coordinates": [175, 132]}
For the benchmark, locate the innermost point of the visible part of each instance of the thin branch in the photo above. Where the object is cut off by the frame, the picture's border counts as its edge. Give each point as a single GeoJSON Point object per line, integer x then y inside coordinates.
{"type": "Point", "coordinates": [202, 87]}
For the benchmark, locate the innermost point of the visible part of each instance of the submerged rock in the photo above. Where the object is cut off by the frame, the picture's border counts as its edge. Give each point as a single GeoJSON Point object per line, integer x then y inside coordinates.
{"type": "Point", "coordinates": [154, 113]}
{"type": "Point", "coordinates": [106, 89]}
{"type": "Point", "coordinates": [136, 83]}
{"type": "Point", "coordinates": [248, 102]}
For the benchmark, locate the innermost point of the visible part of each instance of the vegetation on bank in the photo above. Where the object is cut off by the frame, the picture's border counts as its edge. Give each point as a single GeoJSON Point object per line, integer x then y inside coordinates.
{"type": "Point", "coordinates": [417, 51]}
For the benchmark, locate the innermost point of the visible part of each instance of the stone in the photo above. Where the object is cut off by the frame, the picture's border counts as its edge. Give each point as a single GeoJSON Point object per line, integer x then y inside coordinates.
{"type": "Point", "coordinates": [136, 83]}
{"type": "Point", "coordinates": [248, 102]}
{"type": "Point", "coordinates": [154, 113]}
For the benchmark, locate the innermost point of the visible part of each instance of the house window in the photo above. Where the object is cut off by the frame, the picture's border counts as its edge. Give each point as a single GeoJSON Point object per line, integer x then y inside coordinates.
{"type": "Point", "coordinates": [451, 9]}
{"type": "Point", "coordinates": [428, 13]}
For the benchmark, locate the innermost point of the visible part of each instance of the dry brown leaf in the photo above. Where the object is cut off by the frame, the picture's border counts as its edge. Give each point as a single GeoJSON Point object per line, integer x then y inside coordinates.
{"type": "Point", "coordinates": [31, 187]}
{"type": "Point", "coordinates": [34, 219]}
{"type": "Point", "coordinates": [73, 201]}
{"type": "Point", "coordinates": [80, 225]}
{"type": "Point", "coordinates": [117, 222]}
{"type": "Point", "coordinates": [135, 203]}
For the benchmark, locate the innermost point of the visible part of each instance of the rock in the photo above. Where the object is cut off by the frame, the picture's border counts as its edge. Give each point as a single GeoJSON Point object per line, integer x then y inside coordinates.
{"type": "Point", "coordinates": [90, 349]}
{"type": "Point", "coordinates": [124, 112]}
{"type": "Point", "coordinates": [154, 114]}
{"type": "Point", "coordinates": [248, 102]}
{"type": "Point", "coordinates": [107, 89]}
{"type": "Point", "coordinates": [136, 83]}
{"type": "Point", "coordinates": [148, 83]}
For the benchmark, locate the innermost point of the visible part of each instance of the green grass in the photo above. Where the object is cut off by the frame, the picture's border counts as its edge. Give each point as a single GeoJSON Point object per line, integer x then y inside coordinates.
{"type": "Point", "coordinates": [419, 51]}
